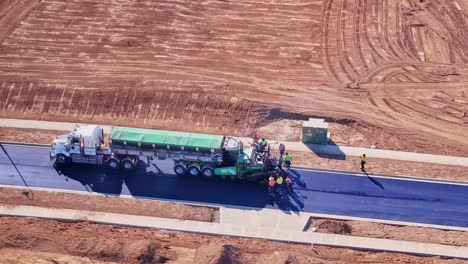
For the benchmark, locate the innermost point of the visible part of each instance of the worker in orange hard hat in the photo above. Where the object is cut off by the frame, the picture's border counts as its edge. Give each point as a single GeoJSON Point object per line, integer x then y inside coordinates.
{"type": "Point", "coordinates": [271, 185]}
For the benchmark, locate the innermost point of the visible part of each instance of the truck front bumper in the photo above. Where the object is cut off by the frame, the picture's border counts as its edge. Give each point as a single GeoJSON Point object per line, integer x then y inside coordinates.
{"type": "Point", "coordinates": [51, 156]}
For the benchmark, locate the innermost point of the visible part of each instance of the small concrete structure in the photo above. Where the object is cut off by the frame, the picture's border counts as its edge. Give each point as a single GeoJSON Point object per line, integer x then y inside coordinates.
{"type": "Point", "coordinates": [315, 131]}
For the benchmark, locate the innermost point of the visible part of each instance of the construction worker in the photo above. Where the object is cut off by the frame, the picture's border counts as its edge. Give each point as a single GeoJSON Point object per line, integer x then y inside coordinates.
{"type": "Point", "coordinates": [279, 180]}
{"type": "Point", "coordinates": [255, 138]}
{"type": "Point", "coordinates": [255, 141]}
{"type": "Point", "coordinates": [281, 149]}
{"type": "Point", "coordinates": [271, 184]}
{"type": "Point", "coordinates": [288, 184]}
{"type": "Point", "coordinates": [287, 160]}
{"type": "Point", "coordinates": [263, 144]}
{"type": "Point", "coordinates": [363, 162]}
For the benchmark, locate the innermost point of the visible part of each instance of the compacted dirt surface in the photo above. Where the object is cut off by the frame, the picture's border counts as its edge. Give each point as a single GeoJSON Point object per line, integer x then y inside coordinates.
{"type": "Point", "coordinates": [385, 231]}
{"type": "Point", "coordinates": [36, 136]}
{"type": "Point", "coordinates": [396, 71]}
{"type": "Point", "coordinates": [85, 242]}
{"type": "Point", "coordinates": [109, 204]}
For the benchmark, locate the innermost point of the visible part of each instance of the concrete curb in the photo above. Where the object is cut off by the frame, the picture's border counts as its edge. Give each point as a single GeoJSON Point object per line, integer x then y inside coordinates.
{"type": "Point", "coordinates": [373, 244]}
{"type": "Point", "coordinates": [24, 144]}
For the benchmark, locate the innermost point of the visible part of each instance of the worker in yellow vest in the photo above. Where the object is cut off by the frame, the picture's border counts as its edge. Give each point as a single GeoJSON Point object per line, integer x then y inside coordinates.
{"type": "Point", "coordinates": [263, 144]}
{"type": "Point", "coordinates": [363, 162]}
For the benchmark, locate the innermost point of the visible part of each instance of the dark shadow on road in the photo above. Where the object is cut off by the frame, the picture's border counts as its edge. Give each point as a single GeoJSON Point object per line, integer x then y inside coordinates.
{"type": "Point", "coordinates": [373, 180]}
{"type": "Point", "coordinates": [296, 178]}
{"type": "Point", "coordinates": [93, 178]}
{"type": "Point", "coordinates": [159, 185]}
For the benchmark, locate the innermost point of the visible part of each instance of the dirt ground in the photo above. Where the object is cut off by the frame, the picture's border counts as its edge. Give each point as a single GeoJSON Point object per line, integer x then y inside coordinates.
{"type": "Point", "coordinates": [66, 242]}
{"type": "Point", "coordinates": [100, 203]}
{"type": "Point", "coordinates": [37, 136]}
{"type": "Point", "coordinates": [385, 231]}
{"type": "Point", "coordinates": [394, 71]}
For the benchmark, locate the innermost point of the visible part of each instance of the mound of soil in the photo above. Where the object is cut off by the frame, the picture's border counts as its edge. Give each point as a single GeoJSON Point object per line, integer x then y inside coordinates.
{"type": "Point", "coordinates": [333, 227]}
{"type": "Point", "coordinates": [213, 253]}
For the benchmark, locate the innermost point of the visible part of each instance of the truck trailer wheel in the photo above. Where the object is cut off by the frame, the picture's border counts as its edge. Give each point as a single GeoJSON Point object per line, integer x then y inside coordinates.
{"type": "Point", "coordinates": [127, 164]}
{"type": "Point", "coordinates": [113, 164]}
{"type": "Point", "coordinates": [208, 172]}
{"type": "Point", "coordinates": [193, 170]}
{"type": "Point", "coordinates": [179, 169]}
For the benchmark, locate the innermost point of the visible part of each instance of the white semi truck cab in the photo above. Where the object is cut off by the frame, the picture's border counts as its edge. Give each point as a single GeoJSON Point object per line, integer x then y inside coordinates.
{"type": "Point", "coordinates": [82, 145]}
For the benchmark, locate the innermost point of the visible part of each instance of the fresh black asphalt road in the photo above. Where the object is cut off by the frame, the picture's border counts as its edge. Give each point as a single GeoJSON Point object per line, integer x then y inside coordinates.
{"type": "Point", "coordinates": [326, 192]}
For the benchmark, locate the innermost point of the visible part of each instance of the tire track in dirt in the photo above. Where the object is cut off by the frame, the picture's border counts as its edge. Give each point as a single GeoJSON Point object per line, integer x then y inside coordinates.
{"type": "Point", "coordinates": [325, 42]}
{"type": "Point", "coordinates": [417, 109]}
{"type": "Point", "coordinates": [459, 21]}
{"type": "Point", "coordinates": [137, 56]}
{"type": "Point", "coordinates": [432, 129]}
{"type": "Point", "coordinates": [406, 54]}
{"type": "Point", "coordinates": [365, 24]}
{"type": "Point", "coordinates": [251, 45]}
{"type": "Point", "coordinates": [335, 29]}
{"type": "Point", "coordinates": [385, 40]}
{"type": "Point", "coordinates": [357, 35]}
{"type": "Point", "coordinates": [345, 62]}
{"type": "Point", "coordinates": [441, 18]}
{"type": "Point", "coordinates": [170, 109]}
{"type": "Point", "coordinates": [13, 12]}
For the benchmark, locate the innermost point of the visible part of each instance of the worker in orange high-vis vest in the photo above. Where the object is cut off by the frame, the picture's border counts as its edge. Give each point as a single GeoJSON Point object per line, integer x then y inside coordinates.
{"type": "Point", "coordinates": [271, 185]}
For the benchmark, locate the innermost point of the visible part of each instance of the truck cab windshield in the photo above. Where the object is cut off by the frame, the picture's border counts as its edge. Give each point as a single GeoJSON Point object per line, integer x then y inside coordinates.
{"type": "Point", "coordinates": [231, 143]}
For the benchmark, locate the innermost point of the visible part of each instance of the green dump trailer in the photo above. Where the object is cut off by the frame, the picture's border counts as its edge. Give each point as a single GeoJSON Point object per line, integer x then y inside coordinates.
{"type": "Point", "coordinates": [193, 153]}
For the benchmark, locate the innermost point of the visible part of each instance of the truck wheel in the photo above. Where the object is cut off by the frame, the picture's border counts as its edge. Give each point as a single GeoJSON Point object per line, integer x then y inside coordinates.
{"type": "Point", "coordinates": [113, 163]}
{"type": "Point", "coordinates": [208, 172]}
{"type": "Point", "coordinates": [62, 160]}
{"type": "Point", "coordinates": [179, 169]}
{"type": "Point", "coordinates": [127, 164]}
{"type": "Point", "coordinates": [193, 170]}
